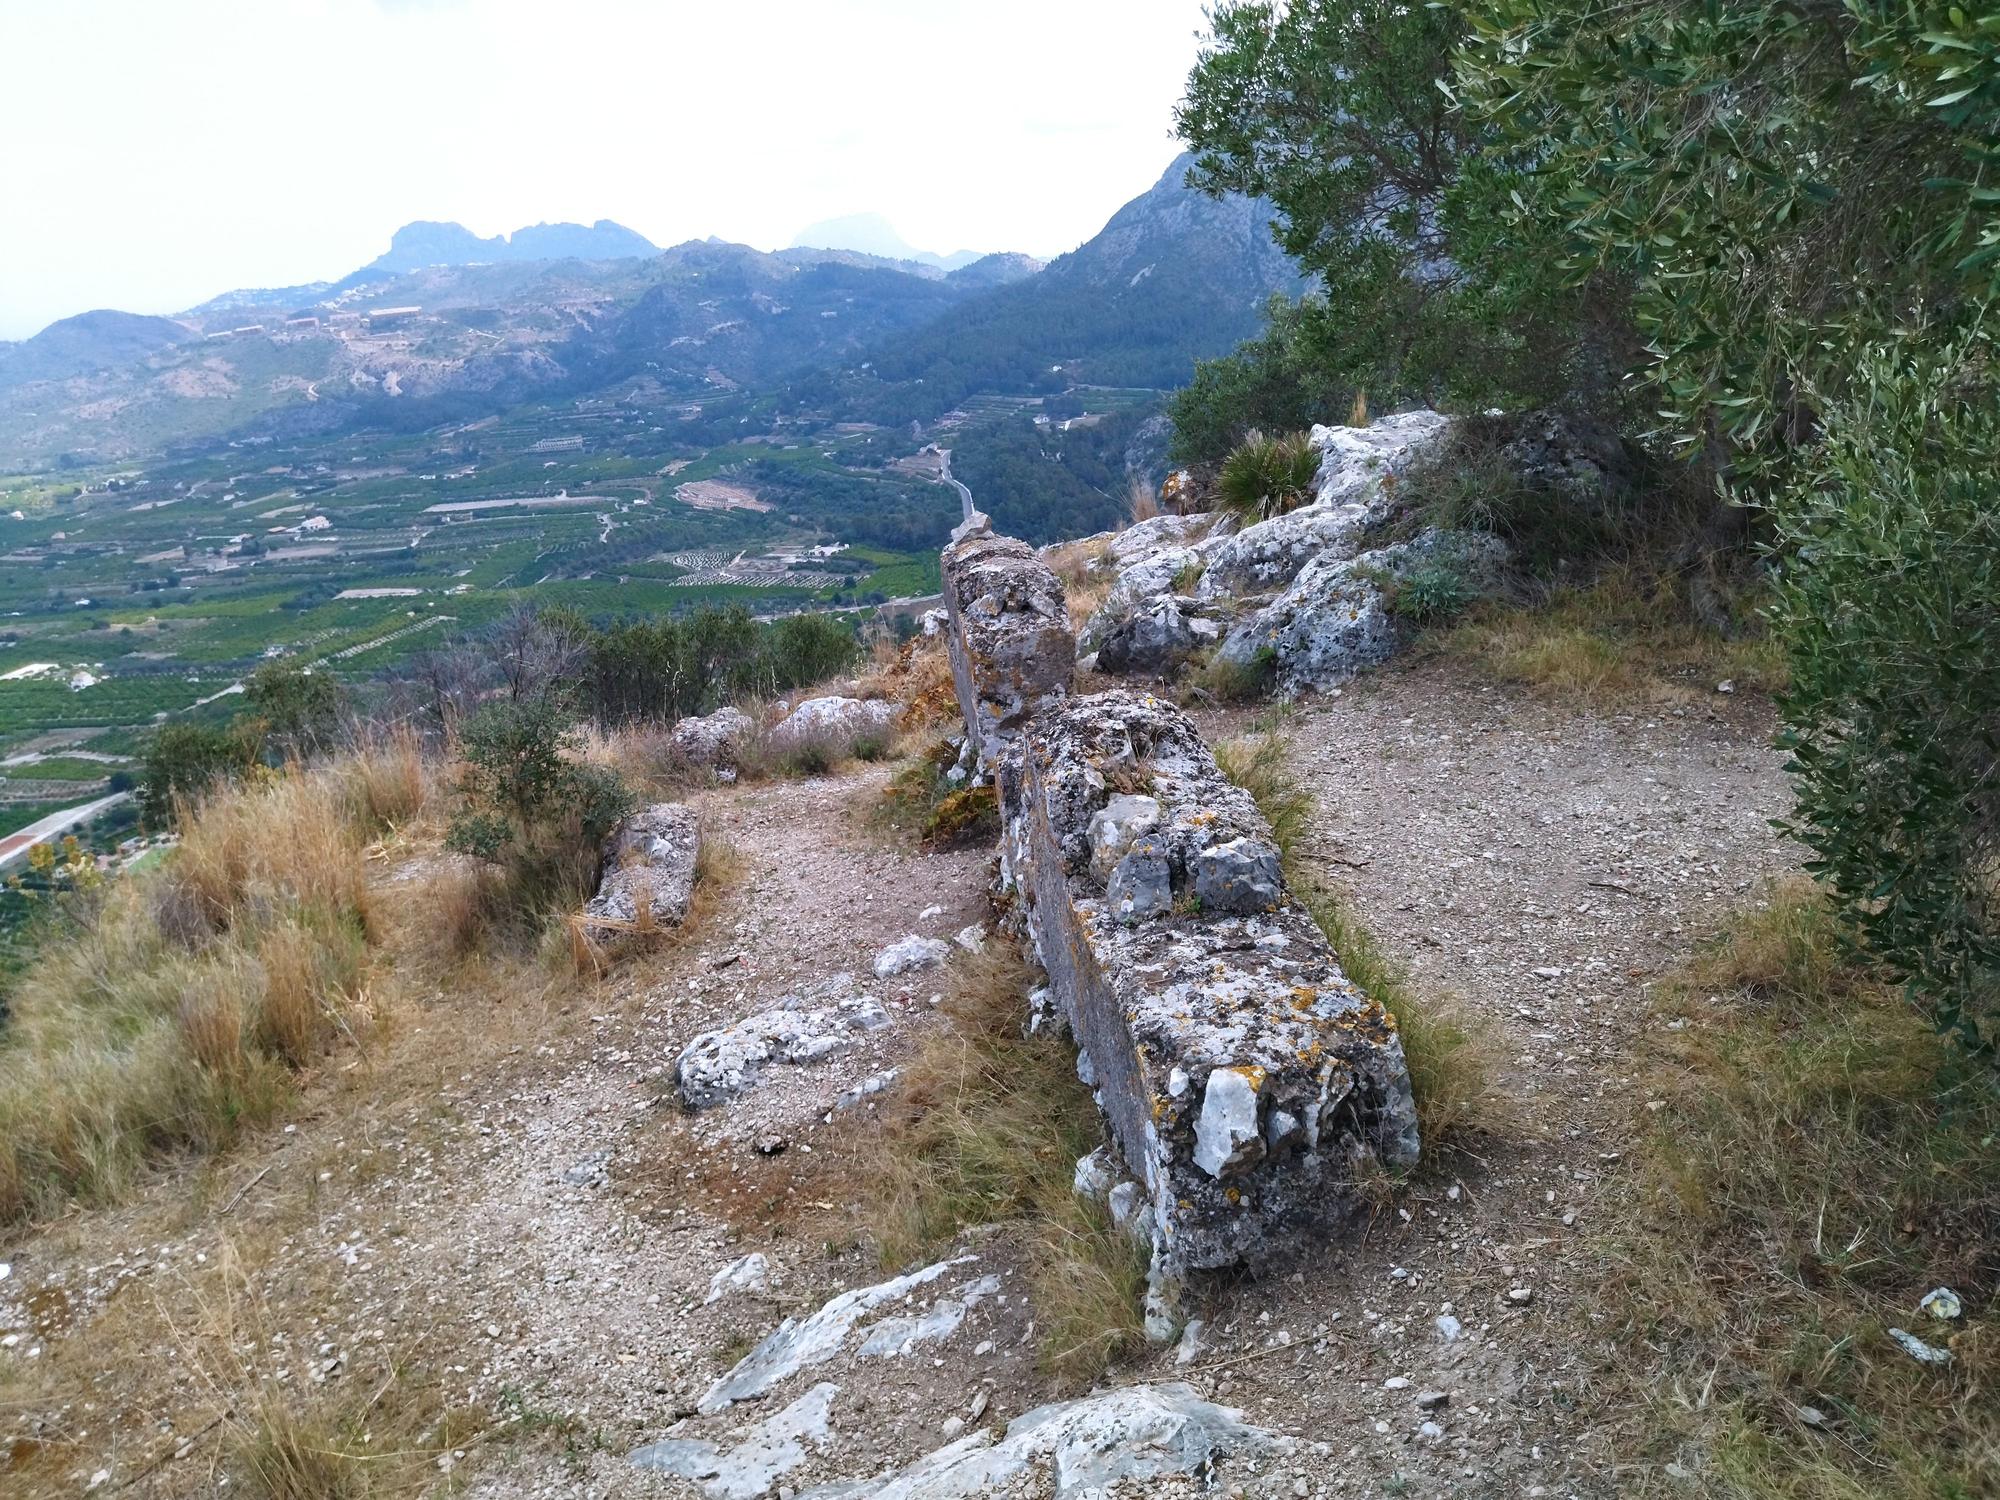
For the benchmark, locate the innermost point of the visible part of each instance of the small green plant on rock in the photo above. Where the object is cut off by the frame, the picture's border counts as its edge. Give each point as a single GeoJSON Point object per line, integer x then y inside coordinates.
{"type": "Point", "coordinates": [1267, 476]}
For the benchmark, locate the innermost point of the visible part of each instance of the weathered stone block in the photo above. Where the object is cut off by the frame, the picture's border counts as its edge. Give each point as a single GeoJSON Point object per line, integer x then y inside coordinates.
{"type": "Point", "coordinates": [649, 862]}
{"type": "Point", "coordinates": [1012, 650]}
{"type": "Point", "coordinates": [1243, 1074]}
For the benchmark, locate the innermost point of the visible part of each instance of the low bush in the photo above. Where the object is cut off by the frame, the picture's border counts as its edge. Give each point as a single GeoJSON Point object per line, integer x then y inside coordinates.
{"type": "Point", "coordinates": [529, 806]}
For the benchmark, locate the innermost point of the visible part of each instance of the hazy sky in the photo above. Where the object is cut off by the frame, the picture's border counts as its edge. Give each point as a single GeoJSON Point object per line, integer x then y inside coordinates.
{"type": "Point", "coordinates": [154, 153]}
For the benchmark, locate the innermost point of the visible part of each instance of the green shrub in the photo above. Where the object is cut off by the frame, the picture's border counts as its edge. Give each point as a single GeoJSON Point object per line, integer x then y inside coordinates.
{"type": "Point", "coordinates": [1891, 609]}
{"type": "Point", "coordinates": [1432, 594]}
{"type": "Point", "coordinates": [185, 760]}
{"type": "Point", "coordinates": [528, 803]}
{"type": "Point", "coordinates": [1267, 476]}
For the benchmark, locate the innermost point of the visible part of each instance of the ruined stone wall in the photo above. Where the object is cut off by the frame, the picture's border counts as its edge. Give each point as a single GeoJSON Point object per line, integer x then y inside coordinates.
{"type": "Point", "coordinates": [1012, 651]}
{"type": "Point", "coordinates": [1244, 1076]}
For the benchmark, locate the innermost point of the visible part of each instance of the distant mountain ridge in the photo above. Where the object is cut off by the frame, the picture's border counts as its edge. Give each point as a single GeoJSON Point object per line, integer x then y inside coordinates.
{"type": "Point", "coordinates": [90, 341]}
{"type": "Point", "coordinates": [431, 242]}
{"type": "Point", "coordinates": [871, 234]}
{"type": "Point", "coordinates": [836, 334]}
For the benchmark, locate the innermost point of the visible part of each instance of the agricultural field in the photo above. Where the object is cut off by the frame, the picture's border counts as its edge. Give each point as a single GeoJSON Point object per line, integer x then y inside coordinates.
{"type": "Point", "coordinates": [131, 596]}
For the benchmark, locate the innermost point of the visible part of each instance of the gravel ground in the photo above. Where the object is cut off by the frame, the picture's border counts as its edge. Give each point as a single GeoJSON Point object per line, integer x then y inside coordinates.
{"type": "Point", "coordinates": [530, 1215]}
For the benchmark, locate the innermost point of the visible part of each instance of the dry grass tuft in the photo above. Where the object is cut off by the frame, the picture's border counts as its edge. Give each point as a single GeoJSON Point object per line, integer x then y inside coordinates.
{"type": "Point", "coordinates": [1622, 638]}
{"type": "Point", "coordinates": [1142, 501]}
{"type": "Point", "coordinates": [388, 782]}
{"type": "Point", "coordinates": [174, 1009]}
{"type": "Point", "coordinates": [987, 1128]}
{"type": "Point", "coordinates": [1086, 575]}
{"type": "Point", "coordinates": [1451, 1055]}
{"type": "Point", "coordinates": [1820, 1160]}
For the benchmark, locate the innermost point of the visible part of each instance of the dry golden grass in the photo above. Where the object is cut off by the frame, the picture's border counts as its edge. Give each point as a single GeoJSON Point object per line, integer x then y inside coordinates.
{"type": "Point", "coordinates": [1087, 578]}
{"type": "Point", "coordinates": [172, 1010]}
{"type": "Point", "coordinates": [1450, 1052]}
{"type": "Point", "coordinates": [986, 1128]}
{"type": "Point", "coordinates": [1820, 1159]}
{"type": "Point", "coordinates": [1623, 638]}
{"type": "Point", "coordinates": [1142, 501]}
{"type": "Point", "coordinates": [388, 782]}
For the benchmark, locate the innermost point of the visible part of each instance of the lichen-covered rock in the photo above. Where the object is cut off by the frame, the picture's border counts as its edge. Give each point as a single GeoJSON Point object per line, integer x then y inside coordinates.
{"type": "Point", "coordinates": [1108, 1442]}
{"type": "Point", "coordinates": [1157, 636]}
{"type": "Point", "coordinates": [1243, 1075]}
{"type": "Point", "coordinates": [1012, 650]}
{"type": "Point", "coordinates": [1333, 621]}
{"type": "Point", "coordinates": [844, 723]}
{"type": "Point", "coordinates": [649, 863]}
{"type": "Point", "coordinates": [712, 742]}
{"type": "Point", "coordinates": [800, 1029]}
{"type": "Point", "coordinates": [1173, 571]}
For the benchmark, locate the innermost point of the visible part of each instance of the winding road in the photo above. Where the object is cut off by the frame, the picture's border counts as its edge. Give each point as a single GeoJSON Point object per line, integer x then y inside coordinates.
{"type": "Point", "coordinates": [944, 473]}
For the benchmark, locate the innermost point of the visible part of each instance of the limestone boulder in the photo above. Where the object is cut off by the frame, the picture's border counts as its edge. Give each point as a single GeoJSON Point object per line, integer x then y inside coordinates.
{"type": "Point", "coordinates": [845, 724]}
{"type": "Point", "coordinates": [1334, 620]}
{"type": "Point", "coordinates": [1156, 637]}
{"type": "Point", "coordinates": [648, 866]}
{"type": "Point", "coordinates": [714, 741]}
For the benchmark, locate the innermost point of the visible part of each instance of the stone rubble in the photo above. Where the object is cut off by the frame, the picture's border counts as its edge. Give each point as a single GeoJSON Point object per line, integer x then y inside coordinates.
{"type": "Point", "coordinates": [1245, 1078]}
{"type": "Point", "coordinates": [802, 1028]}
{"type": "Point", "coordinates": [650, 858]}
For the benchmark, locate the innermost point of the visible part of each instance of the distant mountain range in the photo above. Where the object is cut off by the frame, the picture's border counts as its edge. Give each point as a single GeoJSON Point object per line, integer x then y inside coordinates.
{"type": "Point", "coordinates": [571, 310]}
{"type": "Point", "coordinates": [429, 243]}
{"type": "Point", "coordinates": [872, 234]}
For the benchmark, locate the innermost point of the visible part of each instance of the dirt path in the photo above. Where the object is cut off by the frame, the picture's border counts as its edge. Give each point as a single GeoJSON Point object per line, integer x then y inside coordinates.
{"type": "Point", "coordinates": [518, 1207]}
{"type": "Point", "coordinates": [1544, 866]}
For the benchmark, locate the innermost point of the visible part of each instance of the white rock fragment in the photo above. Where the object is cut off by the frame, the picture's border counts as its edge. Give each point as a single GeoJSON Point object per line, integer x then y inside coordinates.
{"type": "Point", "coordinates": [800, 1344]}
{"type": "Point", "coordinates": [1918, 1350]}
{"type": "Point", "coordinates": [1226, 1133]}
{"type": "Point", "coordinates": [1088, 1446]}
{"type": "Point", "coordinates": [750, 1274]}
{"type": "Point", "coordinates": [752, 1465]}
{"type": "Point", "coordinates": [913, 952]}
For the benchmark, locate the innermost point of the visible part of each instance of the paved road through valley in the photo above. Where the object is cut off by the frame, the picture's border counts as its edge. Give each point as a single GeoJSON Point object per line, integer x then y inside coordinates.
{"type": "Point", "coordinates": [17, 844]}
{"type": "Point", "coordinates": [944, 473]}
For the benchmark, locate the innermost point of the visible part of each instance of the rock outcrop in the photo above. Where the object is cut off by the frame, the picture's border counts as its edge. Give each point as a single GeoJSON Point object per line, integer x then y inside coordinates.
{"type": "Point", "coordinates": [1333, 620]}
{"type": "Point", "coordinates": [648, 868]}
{"type": "Point", "coordinates": [1244, 1076]}
{"type": "Point", "coordinates": [1012, 652]}
{"type": "Point", "coordinates": [845, 724]}
{"type": "Point", "coordinates": [1296, 595]}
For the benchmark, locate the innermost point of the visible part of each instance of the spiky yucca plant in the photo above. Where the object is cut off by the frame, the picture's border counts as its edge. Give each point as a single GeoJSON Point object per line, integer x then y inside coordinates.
{"type": "Point", "coordinates": [1267, 476]}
